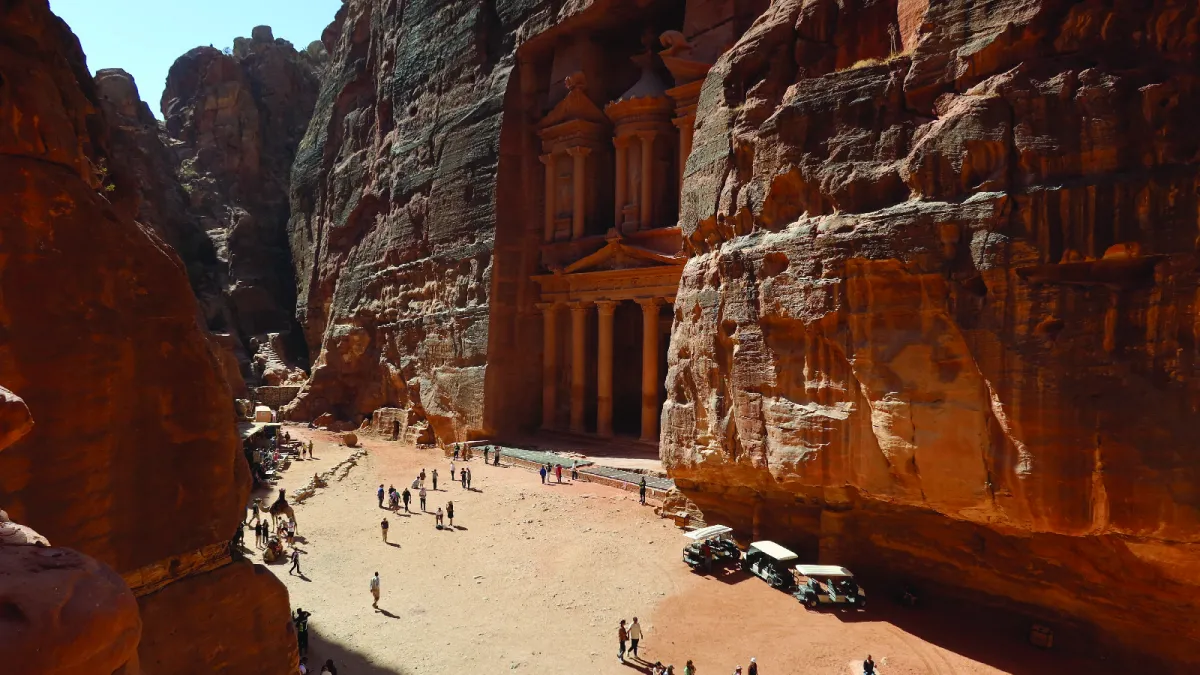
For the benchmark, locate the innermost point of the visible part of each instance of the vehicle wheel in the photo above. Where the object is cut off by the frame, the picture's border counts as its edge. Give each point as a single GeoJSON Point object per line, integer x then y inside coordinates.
{"type": "Point", "coordinates": [862, 602]}
{"type": "Point", "coordinates": [810, 602]}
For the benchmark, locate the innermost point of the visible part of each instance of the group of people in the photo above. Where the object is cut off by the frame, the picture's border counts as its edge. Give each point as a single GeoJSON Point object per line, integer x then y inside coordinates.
{"type": "Point", "coordinates": [632, 635]}
{"type": "Point", "coordinates": [557, 471]}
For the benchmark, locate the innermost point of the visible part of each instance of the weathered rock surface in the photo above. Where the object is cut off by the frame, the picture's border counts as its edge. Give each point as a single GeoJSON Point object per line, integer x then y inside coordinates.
{"type": "Point", "coordinates": [236, 619]}
{"type": "Point", "coordinates": [941, 317]}
{"type": "Point", "coordinates": [232, 124]}
{"type": "Point", "coordinates": [15, 420]}
{"type": "Point", "coordinates": [134, 459]}
{"type": "Point", "coordinates": [63, 613]}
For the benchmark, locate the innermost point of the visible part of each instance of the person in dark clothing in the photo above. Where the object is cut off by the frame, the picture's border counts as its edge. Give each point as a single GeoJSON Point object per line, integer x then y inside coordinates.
{"type": "Point", "coordinates": [450, 513]}
{"type": "Point", "coordinates": [406, 497]}
{"type": "Point", "coordinates": [869, 666]}
{"type": "Point", "coordinates": [434, 478]}
{"type": "Point", "coordinates": [753, 669]}
{"type": "Point", "coordinates": [542, 471]}
{"type": "Point", "coordinates": [329, 668]}
{"type": "Point", "coordinates": [468, 478]}
{"type": "Point", "coordinates": [642, 491]}
{"type": "Point", "coordinates": [301, 621]}
{"type": "Point", "coordinates": [295, 563]}
{"type": "Point", "coordinates": [485, 455]}
{"type": "Point", "coordinates": [379, 493]}
{"type": "Point", "coordinates": [496, 458]}
{"type": "Point", "coordinates": [463, 478]}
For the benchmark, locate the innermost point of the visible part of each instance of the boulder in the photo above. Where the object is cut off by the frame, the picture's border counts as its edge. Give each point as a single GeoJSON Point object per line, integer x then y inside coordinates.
{"type": "Point", "coordinates": [350, 440]}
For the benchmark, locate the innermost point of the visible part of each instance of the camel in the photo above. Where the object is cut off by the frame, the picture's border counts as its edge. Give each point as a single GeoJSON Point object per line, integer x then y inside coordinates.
{"type": "Point", "coordinates": [279, 509]}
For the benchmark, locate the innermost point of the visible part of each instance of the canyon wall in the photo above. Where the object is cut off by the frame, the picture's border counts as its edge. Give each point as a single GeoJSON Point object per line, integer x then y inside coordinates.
{"type": "Point", "coordinates": [941, 314]}
{"type": "Point", "coordinates": [212, 180]}
{"type": "Point", "coordinates": [134, 459]}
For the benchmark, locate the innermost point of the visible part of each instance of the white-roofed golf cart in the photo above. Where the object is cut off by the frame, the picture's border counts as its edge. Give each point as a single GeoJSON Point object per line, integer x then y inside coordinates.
{"type": "Point", "coordinates": [828, 585]}
{"type": "Point", "coordinates": [770, 562]}
{"type": "Point", "coordinates": [710, 546]}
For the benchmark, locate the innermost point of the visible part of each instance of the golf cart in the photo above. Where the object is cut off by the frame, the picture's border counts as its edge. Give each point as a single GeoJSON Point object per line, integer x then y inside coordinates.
{"type": "Point", "coordinates": [770, 562]}
{"type": "Point", "coordinates": [716, 541]}
{"type": "Point", "coordinates": [828, 585]}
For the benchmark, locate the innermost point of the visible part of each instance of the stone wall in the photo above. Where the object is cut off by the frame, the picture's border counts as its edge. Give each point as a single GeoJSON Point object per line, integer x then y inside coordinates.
{"type": "Point", "coordinates": [940, 318]}
{"type": "Point", "coordinates": [276, 397]}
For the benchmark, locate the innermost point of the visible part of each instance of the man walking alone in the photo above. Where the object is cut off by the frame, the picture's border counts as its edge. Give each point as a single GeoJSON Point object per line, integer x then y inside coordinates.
{"type": "Point", "coordinates": [295, 563]}
{"type": "Point", "coordinates": [384, 526]}
{"type": "Point", "coordinates": [423, 500]}
{"type": "Point", "coordinates": [375, 590]}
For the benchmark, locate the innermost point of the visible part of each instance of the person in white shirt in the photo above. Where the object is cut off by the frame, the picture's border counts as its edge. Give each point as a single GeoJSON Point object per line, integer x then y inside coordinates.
{"type": "Point", "coordinates": [375, 590]}
{"type": "Point", "coordinates": [635, 636]}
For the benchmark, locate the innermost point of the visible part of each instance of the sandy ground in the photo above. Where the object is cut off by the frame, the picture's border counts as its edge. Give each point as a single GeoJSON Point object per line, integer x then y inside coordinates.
{"type": "Point", "coordinates": [534, 579]}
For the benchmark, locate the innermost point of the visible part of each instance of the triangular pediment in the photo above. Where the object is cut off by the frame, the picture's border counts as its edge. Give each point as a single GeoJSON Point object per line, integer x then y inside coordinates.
{"type": "Point", "coordinates": [617, 255]}
{"type": "Point", "coordinates": [575, 106]}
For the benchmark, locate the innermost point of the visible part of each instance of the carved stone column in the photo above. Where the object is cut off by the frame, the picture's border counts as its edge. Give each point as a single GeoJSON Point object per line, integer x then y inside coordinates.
{"type": "Point", "coordinates": [622, 186]}
{"type": "Point", "coordinates": [579, 173]}
{"type": "Point", "coordinates": [604, 370]}
{"type": "Point", "coordinates": [687, 128]}
{"type": "Point", "coordinates": [650, 367]}
{"type": "Point", "coordinates": [578, 370]}
{"type": "Point", "coordinates": [647, 178]}
{"type": "Point", "coordinates": [548, 227]}
{"type": "Point", "coordinates": [549, 362]}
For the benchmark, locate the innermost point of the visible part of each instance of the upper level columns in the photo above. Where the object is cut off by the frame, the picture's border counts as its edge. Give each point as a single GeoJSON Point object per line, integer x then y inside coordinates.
{"type": "Point", "coordinates": [622, 182]}
{"type": "Point", "coordinates": [548, 160]}
{"type": "Point", "coordinates": [647, 199]}
{"type": "Point", "coordinates": [579, 190]}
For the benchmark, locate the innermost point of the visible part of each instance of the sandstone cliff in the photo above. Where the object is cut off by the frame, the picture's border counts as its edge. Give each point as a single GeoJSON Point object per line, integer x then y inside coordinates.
{"type": "Point", "coordinates": [134, 459]}
{"type": "Point", "coordinates": [232, 124]}
{"type": "Point", "coordinates": [941, 315]}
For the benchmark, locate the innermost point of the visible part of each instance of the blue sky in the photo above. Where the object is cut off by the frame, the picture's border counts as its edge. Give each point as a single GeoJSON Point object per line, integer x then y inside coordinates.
{"type": "Point", "coordinates": [146, 36]}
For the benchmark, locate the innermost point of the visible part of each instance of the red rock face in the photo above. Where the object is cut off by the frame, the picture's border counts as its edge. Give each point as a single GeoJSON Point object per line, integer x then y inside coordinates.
{"type": "Point", "coordinates": [942, 252]}
{"type": "Point", "coordinates": [134, 459]}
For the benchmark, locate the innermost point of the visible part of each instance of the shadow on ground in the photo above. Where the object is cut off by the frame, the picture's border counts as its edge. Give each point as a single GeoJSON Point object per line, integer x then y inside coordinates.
{"type": "Point", "coordinates": [346, 659]}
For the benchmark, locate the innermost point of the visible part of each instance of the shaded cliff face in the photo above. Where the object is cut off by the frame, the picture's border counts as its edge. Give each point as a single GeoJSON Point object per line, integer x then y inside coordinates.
{"type": "Point", "coordinates": [393, 215]}
{"type": "Point", "coordinates": [942, 310]}
{"type": "Point", "coordinates": [232, 124]}
{"type": "Point", "coordinates": [134, 459]}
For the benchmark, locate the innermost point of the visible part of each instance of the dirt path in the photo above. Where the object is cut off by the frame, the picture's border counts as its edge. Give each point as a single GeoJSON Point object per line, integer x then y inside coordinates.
{"type": "Point", "coordinates": [534, 579]}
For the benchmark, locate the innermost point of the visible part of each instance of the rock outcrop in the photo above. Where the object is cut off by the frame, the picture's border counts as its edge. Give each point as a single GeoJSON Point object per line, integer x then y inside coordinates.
{"type": "Point", "coordinates": [941, 315]}
{"type": "Point", "coordinates": [134, 459]}
{"type": "Point", "coordinates": [213, 180]}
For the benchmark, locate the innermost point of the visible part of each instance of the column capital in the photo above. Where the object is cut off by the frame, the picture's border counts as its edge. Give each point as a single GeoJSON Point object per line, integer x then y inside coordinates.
{"type": "Point", "coordinates": [547, 158]}
{"type": "Point", "coordinates": [647, 136]}
{"type": "Point", "coordinates": [606, 307]}
{"type": "Point", "coordinates": [548, 306]}
{"type": "Point", "coordinates": [685, 121]}
{"type": "Point", "coordinates": [579, 151]}
{"type": "Point", "coordinates": [580, 305]}
{"type": "Point", "coordinates": [648, 303]}
{"type": "Point", "coordinates": [623, 141]}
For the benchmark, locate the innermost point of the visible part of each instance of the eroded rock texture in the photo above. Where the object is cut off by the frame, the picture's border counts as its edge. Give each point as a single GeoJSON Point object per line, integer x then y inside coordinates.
{"type": "Point", "coordinates": [942, 312]}
{"type": "Point", "coordinates": [232, 124]}
{"type": "Point", "coordinates": [134, 459]}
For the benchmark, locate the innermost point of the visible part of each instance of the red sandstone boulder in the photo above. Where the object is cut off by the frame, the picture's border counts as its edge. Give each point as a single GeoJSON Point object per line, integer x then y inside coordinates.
{"type": "Point", "coordinates": [65, 614]}
{"type": "Point", "coordinates": [15, 420]}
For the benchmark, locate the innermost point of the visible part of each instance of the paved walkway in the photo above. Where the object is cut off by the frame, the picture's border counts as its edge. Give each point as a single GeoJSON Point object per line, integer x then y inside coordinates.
{"type": "Point", "coordinates": [611, 475]}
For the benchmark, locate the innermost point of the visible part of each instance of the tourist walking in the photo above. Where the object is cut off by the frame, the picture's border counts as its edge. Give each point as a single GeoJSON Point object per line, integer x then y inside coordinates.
{"type": "Point", "coordinates": [295, 563]}
{"type": "Point", "coordinates": [542, 471]}
{"type": "Point", "coordinates": [463, 478]}
{"type": "Point", "coordinates": [869, 666]}
{"type": "Point", "coordinates": [485, 455]}
{"type": "Point", "coordinates": [622, 637]}
{"type": "Point", "coordinates": [291, 533]}
{"type": "Point", "coordinates": [468, 478]}
{"type": "Point", "coordinates": [690, 668]}
{"type": "Point", "coordinates": [254, 512]}
{"type": "Point", "coordinates": [456, 451]}
{"type": "Point", "coordinates": [496, 457]}
{"type": "Point", "coordinates": [574, 470]}
{"type": "Point", "coordinates": [258, 534]}
{"type": "Point", "coordinates": [558, 472]}
{"type": "Point", "coordinates": [406, 496]}
{"type": "Point", "coordinates": [642, 490]}
{"type": "Point", "coordinates": [450, 513]}
{"type": "Point", "coordinates": [383, 525]}
{"type": "Point", "coordinates": [300, 618]}
{"type": "Point", "coordinates": [379, 493]}
{"type": "Point", "coordinates": [375, 590]}
{"type": "Point", "coordinates": [437, 521]}
{"type": "Point", "coordinates": [435, 480]}
{"type": "Point", "coordinates": [635, 636]}
{"type": "Point", "coordinates": [753, 669]}
{"type": "Point", "coordinates": [422, 500]}
{"type": "Point", "coordinates": [329, 668]}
